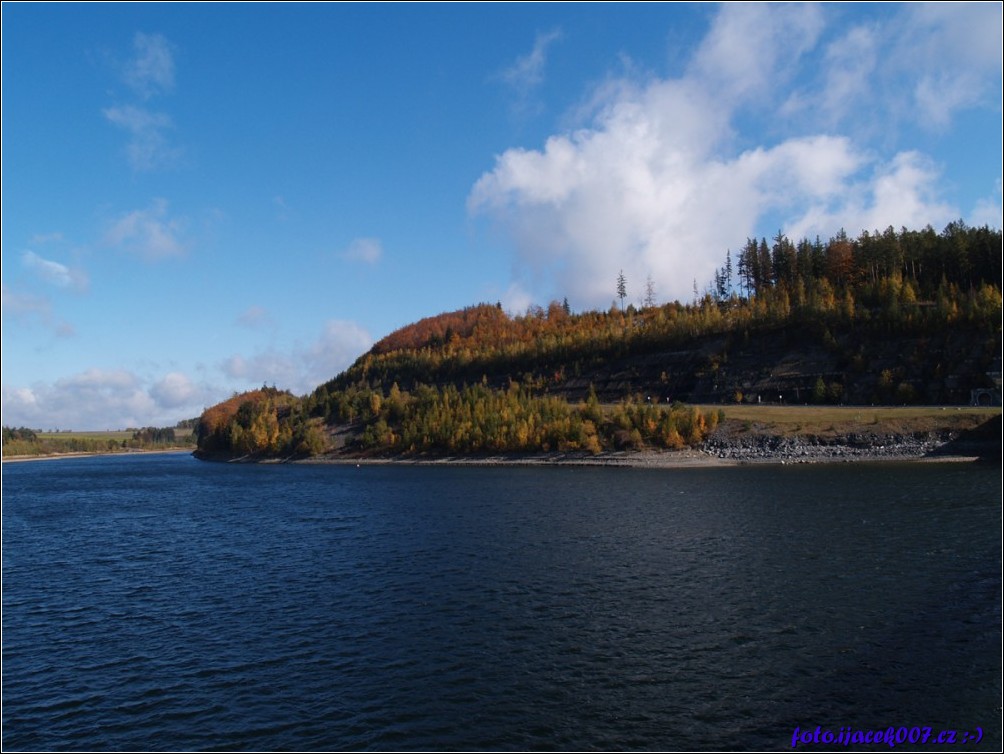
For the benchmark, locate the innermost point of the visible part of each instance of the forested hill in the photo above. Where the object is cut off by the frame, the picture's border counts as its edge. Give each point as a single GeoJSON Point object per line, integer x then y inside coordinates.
{"type": "Point", "coordinates": [902, 318]}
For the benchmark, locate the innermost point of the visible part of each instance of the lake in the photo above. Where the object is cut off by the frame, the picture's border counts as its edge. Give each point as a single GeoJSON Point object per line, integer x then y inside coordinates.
{"type": "Point", "coordinates": [161, 603]}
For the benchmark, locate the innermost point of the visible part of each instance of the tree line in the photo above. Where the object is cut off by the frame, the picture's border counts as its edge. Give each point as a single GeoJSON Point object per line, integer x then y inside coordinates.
{"type": "Point", "coordinates": [443, 419]}
{"type": "Point", "coordinates": [878, 284]}
{"type": "Point", "coordinates": [482, 380]}
{"type": "Point", "coordinates": [925, 260]}
{"type": "Point", "coordinates": [22, 441]}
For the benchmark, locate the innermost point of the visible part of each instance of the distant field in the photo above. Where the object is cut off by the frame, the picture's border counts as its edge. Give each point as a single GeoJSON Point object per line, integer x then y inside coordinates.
{"type": "Point", "coordinates": [100, 441]}
{"type": "Point", "coordinates": [116, 434]}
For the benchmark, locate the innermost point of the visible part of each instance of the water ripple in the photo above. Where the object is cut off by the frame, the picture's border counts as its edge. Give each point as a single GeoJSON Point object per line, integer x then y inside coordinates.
{"type": "Point", "coordinates": [160, 603]}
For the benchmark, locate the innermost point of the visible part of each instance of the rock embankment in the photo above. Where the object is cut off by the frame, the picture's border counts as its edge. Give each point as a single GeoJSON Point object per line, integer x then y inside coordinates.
{"type": "Point", "coordinates": [751, 447]}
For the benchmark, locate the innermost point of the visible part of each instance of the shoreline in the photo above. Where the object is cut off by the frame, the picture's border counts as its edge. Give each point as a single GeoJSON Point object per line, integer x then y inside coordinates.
{"type": "Point", "coordinates": [644, 459]}
{"type": "Point", "coordinates": [93, 454]}
{"type": "Point", "coordinates": [716, 457]}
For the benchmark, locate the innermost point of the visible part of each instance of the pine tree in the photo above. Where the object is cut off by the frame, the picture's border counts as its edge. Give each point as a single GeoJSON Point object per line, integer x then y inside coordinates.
{"type": "Point", "coordinates": [621, 288]}
{"type": "Point", "coordinates": [728, 272]}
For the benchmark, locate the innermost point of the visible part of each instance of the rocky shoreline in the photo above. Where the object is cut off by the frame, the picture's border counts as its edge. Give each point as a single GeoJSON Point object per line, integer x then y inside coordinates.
{"type": "Point", "coordinates": [758, 449]}
{"type": "Point", "coordinates": [812, 449]}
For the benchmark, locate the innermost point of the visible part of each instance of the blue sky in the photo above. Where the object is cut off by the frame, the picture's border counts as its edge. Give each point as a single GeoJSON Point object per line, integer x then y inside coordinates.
{"type": "Point", "coordinates": [199, 199]}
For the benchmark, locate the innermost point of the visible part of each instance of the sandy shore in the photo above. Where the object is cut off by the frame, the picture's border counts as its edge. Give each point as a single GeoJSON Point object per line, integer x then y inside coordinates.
{"type": "Point", "coordinates": [54, 456]}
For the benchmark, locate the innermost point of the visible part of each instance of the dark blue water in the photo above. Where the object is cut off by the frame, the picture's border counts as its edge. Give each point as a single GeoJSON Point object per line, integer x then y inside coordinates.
{"type": "Point", "coordinates": [159, 602]}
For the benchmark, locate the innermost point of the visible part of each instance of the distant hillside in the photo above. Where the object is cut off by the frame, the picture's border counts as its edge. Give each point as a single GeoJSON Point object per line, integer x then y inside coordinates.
{"type": "Point", "coordinates": [895, 318]}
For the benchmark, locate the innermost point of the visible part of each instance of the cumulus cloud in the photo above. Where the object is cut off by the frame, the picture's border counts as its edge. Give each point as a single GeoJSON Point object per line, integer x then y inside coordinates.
{"type": "Point", "coordinates": [366, 250]}
{"type": "Point", "coordinates": [151, 69]}
{"type": "Point", "coordinates": [148, 233]}
{"type": "Point", "coordinates": [658, 181]}
{"type": "Point", "coordinates": [905, 193]}
{"type": "Point", "coordinates": [302, 368]}
{"type": "Point", "coordinates": [55, 273]}
{"type": "Point", "coordinates": [106, 399]}
{"type": "Point", "coordinates": [643, 191]}
{"type": "Point", "coordinates": [175, 390]}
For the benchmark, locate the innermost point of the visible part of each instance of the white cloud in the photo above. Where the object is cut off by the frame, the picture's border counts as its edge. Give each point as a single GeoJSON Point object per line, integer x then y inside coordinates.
{"type": "Point", "coordinates": [525, 76]}
{"type": "Point", "coordinates": [151, 70]}
{"type": "Point", "coordinates": [655, 183]}
{"type": "Point", "coordinates": [643, 191]}
{"type": "Point", "coordinates": [956, 49]}
{"type": "Point", "coordinates": [254, 317]}
{"type": "Point", "coordinates": [340, 343]}
{"type": "Point", "coordinates": [26, 309]}
{"type": "Point", "coordinates": [106, 399]}
{"type": "Point", "coordinates": [302, 368]}
{"type": "Point", "coordinates": [366, 250]}
{"type": "Point", "coordinates": [516, 300]}
{"type": "Point", "coordinates": [175, 390]}
{"type": "Point", "coordinates": [147, 233]}
{"type": "Point", "coordinates": [752, 47]}
{"type": "Point", "coordinates": [266, 368]}
{"type": "Point", "coordinates": [904, 194]}
{"type": "Point", "coordinates": [849, 67]}
{"type": "Point", "coordinates": [988, 210]}
{"type": "Point", "coordinates": [920, 64]}
{"type": "Point", "coordinates": [148, 148]}
{"type": "Point", "coordinates": [55, 273]}
{"type": "Point", "coordinates": [528, 70]}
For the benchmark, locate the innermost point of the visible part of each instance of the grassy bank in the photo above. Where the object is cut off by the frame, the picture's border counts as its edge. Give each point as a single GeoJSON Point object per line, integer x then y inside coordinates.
{"type": "Point", "coordinates": [832, 421]}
